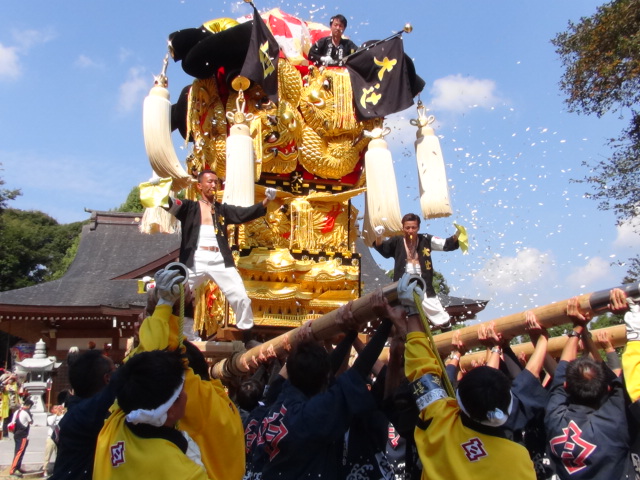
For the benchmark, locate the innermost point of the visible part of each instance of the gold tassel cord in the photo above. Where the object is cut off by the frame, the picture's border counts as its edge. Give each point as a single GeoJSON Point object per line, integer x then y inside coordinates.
{"type": "Point", "coordinates": [417, 298]}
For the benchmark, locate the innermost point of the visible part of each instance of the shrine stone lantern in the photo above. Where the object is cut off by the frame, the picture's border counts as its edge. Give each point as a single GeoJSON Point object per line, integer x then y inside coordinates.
{"type": "Point", "coordinates": [36, 374]}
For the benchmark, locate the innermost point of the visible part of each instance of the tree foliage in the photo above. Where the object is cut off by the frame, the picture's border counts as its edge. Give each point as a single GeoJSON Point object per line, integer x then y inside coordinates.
{"type": "Point", "coordinates": [33, 247]}
{"type": "Point", "coordinates": [601, 56]}
{"type": "Point", "coordinates": [6, 195]}
{"type": "Point", "coordinates": [132, 203]}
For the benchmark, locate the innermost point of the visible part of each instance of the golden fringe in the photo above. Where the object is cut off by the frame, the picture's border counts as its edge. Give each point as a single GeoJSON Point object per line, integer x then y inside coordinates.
{"type": "Point", "coordinates": [203, 317]}
{"type": "Point", "coordinates": [301, 224]}
{"type": "Point", "coordinates": [206, 121]}
{"type": "Point", "coordinates": [343, 97]}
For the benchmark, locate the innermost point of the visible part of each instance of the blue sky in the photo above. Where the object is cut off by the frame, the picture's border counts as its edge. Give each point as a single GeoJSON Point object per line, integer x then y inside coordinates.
{"type": "Point", "coordinates": [73, 76]}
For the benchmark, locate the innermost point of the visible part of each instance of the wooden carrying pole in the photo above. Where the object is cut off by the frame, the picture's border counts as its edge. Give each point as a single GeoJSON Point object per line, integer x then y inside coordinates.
{"type": "Point", "coordinates": [328, 326]}
{"type": "Point", "coordinates": [322, 328]}
{"type": "Point", "coordinates": [548, 316]}
{"type": "Point", "coordinates": [617, 335]}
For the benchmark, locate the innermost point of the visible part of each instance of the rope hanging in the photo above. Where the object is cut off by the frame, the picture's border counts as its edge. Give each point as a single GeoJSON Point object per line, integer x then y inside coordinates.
{"type": "Point", "coordinates": [156, 122]}
{"type": "Point", "coordinates": [417, 298]}
{"type": "Point", "coordinates": [382, 203]}
{"type": "Point", "coordinates": [434, 190]}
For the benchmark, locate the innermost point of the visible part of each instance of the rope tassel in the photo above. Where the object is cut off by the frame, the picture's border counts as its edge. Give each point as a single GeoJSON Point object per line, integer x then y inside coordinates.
{"type": "Point", "coordinates": [382, 204]}
{"type": "Point", "coordinates": [434, 190]}
{"type": "Point", "coordinates": [239, 182]}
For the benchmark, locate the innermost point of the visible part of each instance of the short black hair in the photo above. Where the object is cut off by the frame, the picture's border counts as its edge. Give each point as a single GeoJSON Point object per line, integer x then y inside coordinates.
{"type": "Point", "coordinates": [411, 217]}
{"type": "Point", "coordinates": [342, 19]}
{"type": "Point", "coordinates": [197, 362]}
{"type": "Point", "coordinates": [484, 389]}
{"type": "Point", "coordinates": [149, 379]}
{"type": "Point", "coordinates": [586, 381]}
{"type": "Point", "coordinates": [249, 394]}
{"type": "Point", "coordinates": [27, 402]}
{"type": "Point", "coordinates": [201, 174]}
{"type": "Point", "coordinates": [308, 367]}
{"type": "Point", "coordinates": [61, 399]}
{"type": "Point", "coordinates": [87, 371]}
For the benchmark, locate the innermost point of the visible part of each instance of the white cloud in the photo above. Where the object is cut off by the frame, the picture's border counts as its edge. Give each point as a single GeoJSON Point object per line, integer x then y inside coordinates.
{"type": "Point", "coordinates": [124, 54]}
{"type": "Point", "coordinates": [85, 62]}
{"type": "Point", "coordinates": [597, 271]}
{"type": "Point", "coordinates": [133, 90]}
{"type": "Point", "coordinates": [10, 67]}
{"type": "Point", "coordinates": [628, 234]}
{"type": "Point", "coordinates": [508, 274]}
{"type": "Point", "coordinates": [457, 93]}
{"type": "Point", "coordinates": [27, 39]}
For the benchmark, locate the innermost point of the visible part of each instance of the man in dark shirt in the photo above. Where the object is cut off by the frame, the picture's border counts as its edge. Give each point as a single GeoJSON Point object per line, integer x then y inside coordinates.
{"type": "Point", "coordinates": [204, 248]}
{"type": "Point", "coordinates": [333, 49]}
{"type": "Point", "coordinates": [93, 394]}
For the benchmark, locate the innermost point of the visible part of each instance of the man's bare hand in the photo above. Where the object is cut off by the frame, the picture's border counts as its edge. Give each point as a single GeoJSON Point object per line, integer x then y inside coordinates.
{"type": "Point", "coordinates": [534, 328]}
{"type": "Point", "coordinates": [488, 336]}
{"type": "Point", "coordinates": [578, 315]}
{"type": "Point", "coordinates": [618, 300]}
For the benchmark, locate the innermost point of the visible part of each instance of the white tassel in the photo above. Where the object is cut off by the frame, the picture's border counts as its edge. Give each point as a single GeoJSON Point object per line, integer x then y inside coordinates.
{"type": "Point", "coordinates": [434, 189]}
{"type": "Point", "coordinates": [156, 122]}
{"type": "Point", "coordinates": [382, 204]}
{"type": "Point", "coordinates": [158, 220]}
{"type": "Point", "coordinates": [239, 187]}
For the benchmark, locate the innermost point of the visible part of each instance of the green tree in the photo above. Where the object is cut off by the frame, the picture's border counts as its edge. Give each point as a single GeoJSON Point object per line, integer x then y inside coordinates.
{"type": "Point", "coordinates": [132, 203]}
{"type": "Point", "coordinates": [6, 195]}
{"type": "Point", "coordinates": [33, 247]}
{"type": "Point", "coordinates": [601, 56]}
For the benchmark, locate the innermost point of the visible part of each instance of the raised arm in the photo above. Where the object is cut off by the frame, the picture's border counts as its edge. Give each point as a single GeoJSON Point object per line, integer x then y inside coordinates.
{"type": "Point", "coordinates": [540, 338]}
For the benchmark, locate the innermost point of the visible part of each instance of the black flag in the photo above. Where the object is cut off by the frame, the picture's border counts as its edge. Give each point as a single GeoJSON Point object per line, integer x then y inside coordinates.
{"type": "Point", "coordinates": [379, 79]}
{"type": "Point", "coordinates": [261, 62]}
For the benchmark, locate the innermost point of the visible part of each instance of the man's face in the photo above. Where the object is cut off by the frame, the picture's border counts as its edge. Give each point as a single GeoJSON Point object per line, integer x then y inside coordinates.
{"type": "Point", "coordinates": [337, 28]}
{"type": "Point", "coordinates": [410, 228]}
{"type": "Point", "coordinates": [208, 185]}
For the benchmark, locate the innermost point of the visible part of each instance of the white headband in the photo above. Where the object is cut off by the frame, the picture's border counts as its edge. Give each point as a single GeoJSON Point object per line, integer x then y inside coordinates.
{"type": "Point", "coordinates": [495, 418]}
{"type": "Point", "coordinates": [158, 416]}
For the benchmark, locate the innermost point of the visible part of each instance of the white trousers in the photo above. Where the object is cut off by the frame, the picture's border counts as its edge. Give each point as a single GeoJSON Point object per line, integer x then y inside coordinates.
{"type": "Point", "coordinates": [210, 266]}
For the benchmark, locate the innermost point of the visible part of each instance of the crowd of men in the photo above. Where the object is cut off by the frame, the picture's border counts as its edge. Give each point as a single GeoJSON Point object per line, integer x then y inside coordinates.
{"type": "Point", "coordinates": [317, 413]}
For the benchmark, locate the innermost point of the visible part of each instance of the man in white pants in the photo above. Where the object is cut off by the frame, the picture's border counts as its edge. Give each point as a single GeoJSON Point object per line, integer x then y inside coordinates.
{"type": "Point", "coordinates": [204, 248]}
{"type": "Point", "coordinates": [412, 254]}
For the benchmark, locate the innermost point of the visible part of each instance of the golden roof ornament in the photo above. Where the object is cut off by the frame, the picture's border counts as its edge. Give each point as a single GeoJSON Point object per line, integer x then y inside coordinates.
{"type": "Point", "coordinates": [240, 84]}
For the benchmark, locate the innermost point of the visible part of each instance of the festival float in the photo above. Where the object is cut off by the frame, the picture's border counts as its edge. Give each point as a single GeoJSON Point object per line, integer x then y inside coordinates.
{"type": "Point", "coordinates": [260, 115]}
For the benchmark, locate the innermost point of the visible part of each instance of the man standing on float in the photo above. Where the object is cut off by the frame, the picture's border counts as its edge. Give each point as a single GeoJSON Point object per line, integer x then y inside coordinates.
{"type": "Point", "coordinates": [412, 254]}
{"type": "Point", "coordinates": [204, 247]}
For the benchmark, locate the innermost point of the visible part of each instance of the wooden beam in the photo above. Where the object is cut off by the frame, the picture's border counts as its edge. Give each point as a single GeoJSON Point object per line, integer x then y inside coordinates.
{"type": "Point", "coordinates": [328, 326]}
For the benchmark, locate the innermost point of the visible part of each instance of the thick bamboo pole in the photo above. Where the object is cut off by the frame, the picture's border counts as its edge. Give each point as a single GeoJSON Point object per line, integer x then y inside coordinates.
{"type": "Point", "coordinates": [328, 326]}
{"type": "Point", "coordinates": [548, 316]}
{"type": "Point", "coordinates": [616, 333]}
{"type": "Point", "coordinates": [322, 328]}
